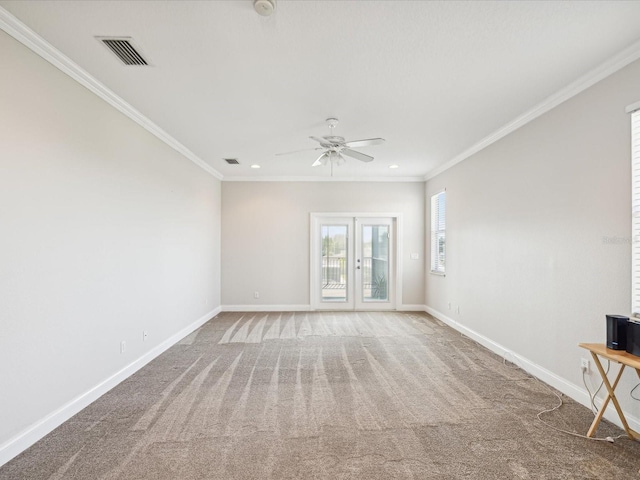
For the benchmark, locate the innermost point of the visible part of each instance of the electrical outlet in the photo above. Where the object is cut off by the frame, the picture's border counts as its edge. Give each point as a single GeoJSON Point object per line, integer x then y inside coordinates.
{"type": "Point", "coordinates": [449, 305]}
{"type": "Point", "coordinates": [584, 365]}
{"type": "Point", "coordinates": [256, 294]}
{"type": "Point", "coordinates": [145, 334]}
{"type": "Point", "coordinates": [457, 308]}
{"type": "Point", "coordinates": [123, 346]}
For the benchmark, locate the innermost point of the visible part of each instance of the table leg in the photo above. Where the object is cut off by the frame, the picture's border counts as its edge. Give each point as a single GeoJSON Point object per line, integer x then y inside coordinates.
{"type": "Point", "coordinates": [611, 396]}
{"type": "Point", "coordinates": [603, 407]}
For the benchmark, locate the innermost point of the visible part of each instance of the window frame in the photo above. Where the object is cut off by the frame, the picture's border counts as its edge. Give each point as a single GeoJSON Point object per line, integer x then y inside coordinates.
{"type": "Point", "coordinates": [438, 209]}
{"type": "Point", "coordinates": [634, 111]}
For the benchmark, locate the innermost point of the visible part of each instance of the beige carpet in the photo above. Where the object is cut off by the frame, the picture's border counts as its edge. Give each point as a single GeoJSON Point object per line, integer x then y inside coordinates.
{"type": "Point", "coordinates": [326, 396]}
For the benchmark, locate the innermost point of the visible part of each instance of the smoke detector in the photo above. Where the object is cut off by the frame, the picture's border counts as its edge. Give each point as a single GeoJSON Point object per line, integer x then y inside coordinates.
{"type": "Point", "coordinates": [264, 7]}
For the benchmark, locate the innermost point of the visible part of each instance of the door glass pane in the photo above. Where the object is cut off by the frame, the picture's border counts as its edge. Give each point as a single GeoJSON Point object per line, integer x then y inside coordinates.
{"type": "Point", "coordinates": [334, 263]}
{"type": "Point", "coordinates": [375, 263]}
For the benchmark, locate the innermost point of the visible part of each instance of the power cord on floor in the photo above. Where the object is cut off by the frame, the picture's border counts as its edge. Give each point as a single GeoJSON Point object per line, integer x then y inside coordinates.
{"type": "Point", "coordinates": [539, 416]}
{"type": "Point", "coordinates": [549, 410]}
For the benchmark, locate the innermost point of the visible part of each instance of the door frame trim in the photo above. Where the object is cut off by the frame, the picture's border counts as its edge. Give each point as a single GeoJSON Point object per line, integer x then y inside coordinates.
{"type": "Point", "coordinates": [314, 301]}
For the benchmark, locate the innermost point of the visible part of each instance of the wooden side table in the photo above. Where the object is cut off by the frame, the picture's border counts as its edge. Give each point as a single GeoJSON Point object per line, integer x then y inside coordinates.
{"type": "Point", "coordinates": [625, 360]}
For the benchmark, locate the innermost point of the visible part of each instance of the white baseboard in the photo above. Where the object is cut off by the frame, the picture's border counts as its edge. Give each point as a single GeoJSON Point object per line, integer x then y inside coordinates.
{"type": "Point", "coordinates": [38, 430]}
{"type": "Point", "coordinates": [411, 308]}
{"type": "Point", "coordinates": [573, 391]}
{"type": "Point", "coordinates": [266, 308]}
{"type": "Point", "coordinates": [301, 308]}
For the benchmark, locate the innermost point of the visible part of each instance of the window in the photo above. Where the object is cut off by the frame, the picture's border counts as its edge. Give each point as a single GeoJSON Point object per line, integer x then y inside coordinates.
{"type": "Point", "coordinates": [438, 243]}
{"type": "Point", "coordinates": [635, 211]}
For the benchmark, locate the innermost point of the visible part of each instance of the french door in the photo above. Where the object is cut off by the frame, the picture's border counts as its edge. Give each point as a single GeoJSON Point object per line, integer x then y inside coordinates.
{"type": "Point", "coordinates": [353, 262]}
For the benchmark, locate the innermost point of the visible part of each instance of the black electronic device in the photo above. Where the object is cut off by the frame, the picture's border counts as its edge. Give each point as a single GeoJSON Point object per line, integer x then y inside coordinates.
{"type": "Point", "coordinates": [633, 337]}
{"type": "Point", "coordinates": [617, 332]}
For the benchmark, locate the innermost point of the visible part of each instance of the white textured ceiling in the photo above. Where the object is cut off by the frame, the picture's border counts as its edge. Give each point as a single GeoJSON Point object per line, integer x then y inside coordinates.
{"type": "Point", "coordinates": [432, 78]}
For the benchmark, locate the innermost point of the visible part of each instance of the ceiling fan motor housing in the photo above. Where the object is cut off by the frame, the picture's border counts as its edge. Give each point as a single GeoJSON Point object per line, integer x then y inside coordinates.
{"type": "Point", "coordinates": [334, 139]}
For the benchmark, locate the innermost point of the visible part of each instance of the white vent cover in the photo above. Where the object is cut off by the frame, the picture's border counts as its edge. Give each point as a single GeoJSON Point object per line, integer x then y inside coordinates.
{"type": "Point", "coordinates": [124, 49]}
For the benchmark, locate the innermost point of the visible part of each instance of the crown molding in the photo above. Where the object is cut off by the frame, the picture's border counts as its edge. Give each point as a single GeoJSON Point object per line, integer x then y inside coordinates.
{"type": "Point", "coordinates": [609, 67]}
{"type": "Point", "coordinates": [322, 179]}
{"type": "Point", "coordinates": [18, 30]}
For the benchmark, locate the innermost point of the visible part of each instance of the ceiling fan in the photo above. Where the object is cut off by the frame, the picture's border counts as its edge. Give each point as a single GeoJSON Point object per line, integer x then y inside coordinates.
{"type": "Point", "coordinates": [335, 147]}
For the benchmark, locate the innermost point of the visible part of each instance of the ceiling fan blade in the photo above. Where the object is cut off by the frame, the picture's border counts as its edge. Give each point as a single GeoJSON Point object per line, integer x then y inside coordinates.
{"type": "Point", "coordinates": [357, 155]}
{"type": "Point", "coordinates": [365, 143]}
{"type": "Point", "coordinates": [319, 161]}
{"type": "Point", "coordinates": [322, 142]}
{"type": "Point", "coordinates": [298, 151]}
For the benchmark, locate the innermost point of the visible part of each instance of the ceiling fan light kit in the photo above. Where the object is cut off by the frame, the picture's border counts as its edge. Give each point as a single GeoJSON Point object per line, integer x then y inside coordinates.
{"type": "Point", "coordinates": [335, 147]}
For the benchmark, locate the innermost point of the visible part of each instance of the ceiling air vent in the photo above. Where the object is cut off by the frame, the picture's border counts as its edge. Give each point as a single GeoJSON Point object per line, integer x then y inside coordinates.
{"type": "Point", "coordinates": [232, 161]}
{"type": "Point", "coordinates": [124, 49]}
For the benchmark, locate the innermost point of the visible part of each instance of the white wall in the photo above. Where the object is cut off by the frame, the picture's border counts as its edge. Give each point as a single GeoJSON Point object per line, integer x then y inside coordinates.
{"type": "Point", "coordinates": [528, 220]}
{"type": "Point", "coordinates": [105, 232]}
{"type": "Point", "coordinates": [265, 235]}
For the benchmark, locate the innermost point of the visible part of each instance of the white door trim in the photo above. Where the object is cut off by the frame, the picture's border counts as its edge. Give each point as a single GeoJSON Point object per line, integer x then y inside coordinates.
{"type": "Point", "coordinates": [313, 247]}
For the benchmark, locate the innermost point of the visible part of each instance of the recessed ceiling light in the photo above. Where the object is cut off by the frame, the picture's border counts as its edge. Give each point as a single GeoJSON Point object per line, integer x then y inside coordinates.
{"type": "Point", "coordinates": [393, 166]}
{"type": "Point", "coordinates": [255, 166]}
